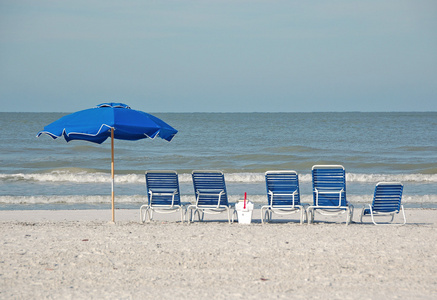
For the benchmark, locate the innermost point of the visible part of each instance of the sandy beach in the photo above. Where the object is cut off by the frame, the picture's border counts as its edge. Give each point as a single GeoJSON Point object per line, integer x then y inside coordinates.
{"type": "Point", "coordinates": [79, 254]}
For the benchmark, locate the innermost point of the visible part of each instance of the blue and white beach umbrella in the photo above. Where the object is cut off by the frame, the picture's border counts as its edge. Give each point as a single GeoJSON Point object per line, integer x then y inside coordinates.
{"type": "Point", "coordinates": [115, 120]}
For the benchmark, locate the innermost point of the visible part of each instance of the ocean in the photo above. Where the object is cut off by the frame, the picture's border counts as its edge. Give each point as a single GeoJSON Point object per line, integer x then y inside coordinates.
{"type": "Point", "coordinates": [41, 173]}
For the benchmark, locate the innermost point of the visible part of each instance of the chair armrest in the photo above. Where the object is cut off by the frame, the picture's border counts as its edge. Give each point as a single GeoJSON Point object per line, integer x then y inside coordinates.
{"type": "Point", "coordinates": [271, 194]}
{"type": "Point", "coordinates": [163, 193]}
{"type": "Point", "coordinates": [328, 192]}
{"type": "Point", "coordinates": [219, 193]}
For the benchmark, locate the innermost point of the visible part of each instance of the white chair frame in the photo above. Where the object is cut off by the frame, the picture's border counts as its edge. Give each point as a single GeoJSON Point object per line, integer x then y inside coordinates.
{"type": "Point", "coordinates": [268, 210]}
{"type": "Point", "coordinates": [201, 210]}
{"type": "Point", "coordinates": [330, 210]}
{"type": "Point", "coordinates": [146, 210]}
{"type": "Point", "coordinates": [379, 214]}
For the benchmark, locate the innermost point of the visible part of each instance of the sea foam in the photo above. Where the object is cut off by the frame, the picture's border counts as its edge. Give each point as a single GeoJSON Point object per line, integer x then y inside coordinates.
{"type": "Point", "coordinates": [86, 177]}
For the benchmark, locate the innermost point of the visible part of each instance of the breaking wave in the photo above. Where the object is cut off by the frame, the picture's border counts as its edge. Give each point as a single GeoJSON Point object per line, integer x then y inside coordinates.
{"type": "Point", "coordinates": [100, 177]}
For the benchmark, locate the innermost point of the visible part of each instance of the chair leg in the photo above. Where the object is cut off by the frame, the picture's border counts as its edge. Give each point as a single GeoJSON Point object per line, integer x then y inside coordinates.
{"type": "Point", "coordinates": [267, 216]}
{"type": "Point", "coordinates": [229, 215]}
{"type": "Point", "coordinates": [233, 215]}
{"type": "Point", "coordinates": [302, 219]}
{"type": "Point", "coordinates": [313, 214]}
{"type": "Point", "coordinates": [310, 213]}
{"type": "Point", "coordinates": [262, 215]}
{"type": "Point", "coordinates": [305, 215]}
{"type": "Point", "coordinates": [373, 219]}
{"type": "Point", "coordinates": [403, 214]}
{"type": "Point", "coordinates": [194, 214]}
{"type": "Point", "coordinates": [185, 214]}
{"type": "Point", "coordinates": [142, 214]}
{"type": "Point", "coordinates": [350, 214]}
{"type": "Point", "coordinates": [147, 215]}
{"type": "Point", "coordinates": [190, 217]}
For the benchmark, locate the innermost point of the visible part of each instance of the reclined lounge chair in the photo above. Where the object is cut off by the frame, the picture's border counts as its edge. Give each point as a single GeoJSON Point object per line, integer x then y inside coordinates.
{"type": "Point", "coordinates": [386, 202]}
{"type": "Point", "coordinates": [329, 192]}
{"type": "Point", "coordinates": [211, 196]}
{"type": "Point", "coordinates": [163, 195]}
{"type": "Point", "coordinates": [282, 195]}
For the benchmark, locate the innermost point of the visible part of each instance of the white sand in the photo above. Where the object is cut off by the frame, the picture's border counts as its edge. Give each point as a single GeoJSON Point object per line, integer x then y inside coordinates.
{"type": "Point", "coordinates": [80, 255]}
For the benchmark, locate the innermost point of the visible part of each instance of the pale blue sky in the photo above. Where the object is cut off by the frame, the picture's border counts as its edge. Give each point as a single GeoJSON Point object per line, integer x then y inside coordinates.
{"type": "Point", "coordinates": [219, 56]}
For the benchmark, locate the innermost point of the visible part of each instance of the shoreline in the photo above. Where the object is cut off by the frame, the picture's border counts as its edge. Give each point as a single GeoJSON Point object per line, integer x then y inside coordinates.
{"type": "Point", "coordinates": [415, 216]}
{"type": "Point", "coordinates": [81, 254]}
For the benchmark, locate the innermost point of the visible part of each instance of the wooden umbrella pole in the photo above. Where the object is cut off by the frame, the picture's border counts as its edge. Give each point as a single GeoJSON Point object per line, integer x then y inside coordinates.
{"type": "Point", "coordinates": [112, 173]}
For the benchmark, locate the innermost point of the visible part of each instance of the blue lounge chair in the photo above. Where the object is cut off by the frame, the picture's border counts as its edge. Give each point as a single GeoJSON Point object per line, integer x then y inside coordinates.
{"type": "Point", "coordinates": [211, 195]}
{"type": "Point", "coordinates": [386, 202]}
{"type": "Point", "coordinates": [163, 195]}
{"type": "Point", "coordinates": [282, 195]}
{"type": "Point", "coordinates": [329, 192]}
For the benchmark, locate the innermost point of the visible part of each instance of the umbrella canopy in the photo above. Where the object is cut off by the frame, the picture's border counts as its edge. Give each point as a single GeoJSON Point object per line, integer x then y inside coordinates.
{"type": "Point", "coordinates": [115, 120]}
{"type": "Point", "coordinates": [94, 125]}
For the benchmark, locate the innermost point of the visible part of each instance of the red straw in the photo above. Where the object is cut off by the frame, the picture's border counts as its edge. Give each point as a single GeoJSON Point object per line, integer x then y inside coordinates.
{"type": "Point", "coordinates": [245, 195]}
